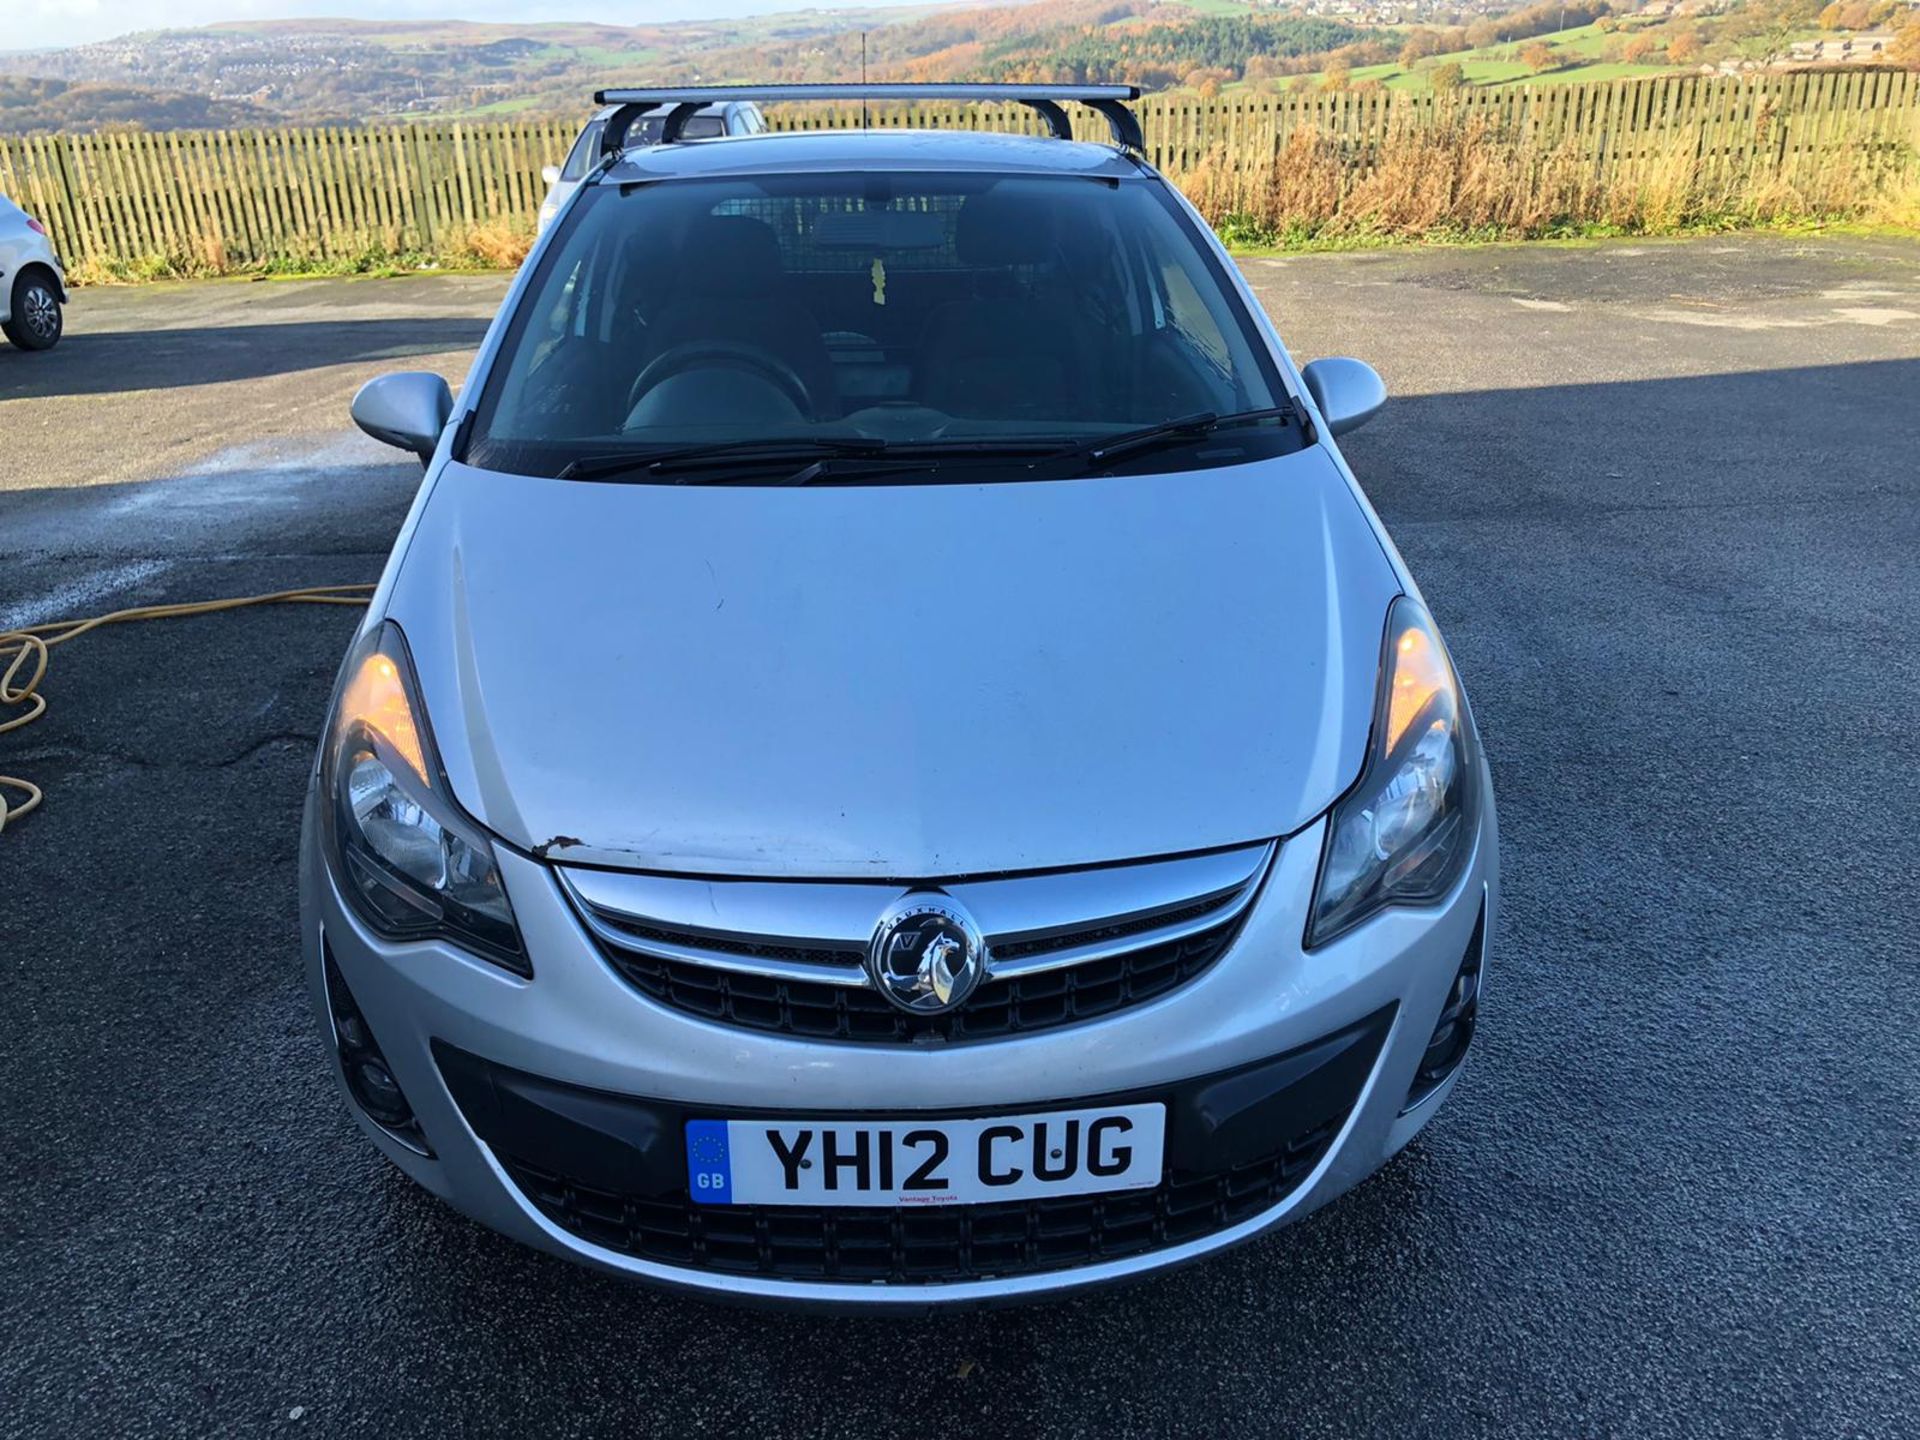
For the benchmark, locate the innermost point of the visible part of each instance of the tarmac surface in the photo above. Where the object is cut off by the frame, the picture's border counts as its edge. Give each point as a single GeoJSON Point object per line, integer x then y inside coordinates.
{"type": "Point", "coordinates": [1665, 501]}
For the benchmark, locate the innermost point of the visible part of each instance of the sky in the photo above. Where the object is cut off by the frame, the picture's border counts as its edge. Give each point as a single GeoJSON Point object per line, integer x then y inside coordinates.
{"type": "Point", "coordinates": [39, 24]}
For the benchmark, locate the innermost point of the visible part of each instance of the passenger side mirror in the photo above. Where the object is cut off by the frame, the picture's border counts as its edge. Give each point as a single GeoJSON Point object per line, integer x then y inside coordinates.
{"type": "Point", "coordinates": [550, 174]}
{"type": "Point", "coordinates": [408, 410]}
{"type": "Point", "coordinates": [1348, 392]}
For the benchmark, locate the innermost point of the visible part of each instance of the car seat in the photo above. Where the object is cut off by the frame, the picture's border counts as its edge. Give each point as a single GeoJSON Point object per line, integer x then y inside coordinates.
{"type": "Point", "coordinates": [730, 283]}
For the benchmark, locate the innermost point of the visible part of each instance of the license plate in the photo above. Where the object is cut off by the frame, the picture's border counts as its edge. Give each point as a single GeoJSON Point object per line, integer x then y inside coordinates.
{"type": "Point", "coordinates": [912, 1161]}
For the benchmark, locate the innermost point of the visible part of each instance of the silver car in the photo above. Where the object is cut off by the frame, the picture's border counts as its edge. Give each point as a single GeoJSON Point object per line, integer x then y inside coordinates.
{"type": "Point", "coordinates": [33, 287]}
{"type": "Point", "coordinates": [709, 122]}
{"type": "Point", "coordinates": [892, 761]}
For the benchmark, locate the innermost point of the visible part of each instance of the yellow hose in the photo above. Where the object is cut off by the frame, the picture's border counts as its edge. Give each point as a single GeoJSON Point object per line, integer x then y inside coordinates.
{"type": "Point", "coordinates": [26, 650]}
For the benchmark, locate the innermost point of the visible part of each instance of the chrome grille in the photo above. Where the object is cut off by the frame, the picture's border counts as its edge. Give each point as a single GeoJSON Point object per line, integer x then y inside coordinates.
{"type": "Point", "coordinates": [788, 957]}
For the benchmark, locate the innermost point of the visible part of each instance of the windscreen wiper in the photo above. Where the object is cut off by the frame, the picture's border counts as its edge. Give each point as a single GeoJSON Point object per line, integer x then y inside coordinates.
{"type": "Point", "coordinates": [926, 456]}
{"type": "Point", "coordinates": [731, 452]}
{"type": "Point", "coordinates": [818, 456]}
{"type": "Point", "coordinates": [1181, 427]}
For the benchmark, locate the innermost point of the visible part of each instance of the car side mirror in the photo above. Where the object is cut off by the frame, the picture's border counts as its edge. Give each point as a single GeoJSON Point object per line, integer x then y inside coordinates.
{"type": "Point", "coordinates": [409, 410]}
{"type": "Point", "coordinates": [550, 174]}
{"type": "Point", "coordinates": [1348, 392]}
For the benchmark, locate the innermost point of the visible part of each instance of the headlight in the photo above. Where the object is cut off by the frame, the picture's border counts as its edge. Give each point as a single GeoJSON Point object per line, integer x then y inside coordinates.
{"type": "Point", "coordinates": [1400, 836]}
{"type": "Point", "coordinates": [411, 862]}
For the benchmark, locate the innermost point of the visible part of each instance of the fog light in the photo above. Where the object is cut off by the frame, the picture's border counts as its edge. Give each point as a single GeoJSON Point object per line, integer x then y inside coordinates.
{"type": "Point", "coordinates": [1454, 1031]}
{"type": "Point", "coordinates": [378, 1092]}
{"type": "Point", "coordinates": [369, 1078]}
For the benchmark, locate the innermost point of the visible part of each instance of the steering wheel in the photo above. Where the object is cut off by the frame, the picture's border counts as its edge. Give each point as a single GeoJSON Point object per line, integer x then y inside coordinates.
{"type": "Point", "coordinates": [724, 355]}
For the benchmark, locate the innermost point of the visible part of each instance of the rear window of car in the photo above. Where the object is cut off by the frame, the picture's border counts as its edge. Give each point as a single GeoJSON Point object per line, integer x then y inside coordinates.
{"type": "Point", "coordinates": [903, 307]}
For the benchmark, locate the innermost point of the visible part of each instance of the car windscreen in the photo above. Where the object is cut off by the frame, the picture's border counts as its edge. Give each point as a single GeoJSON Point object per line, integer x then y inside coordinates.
{"type": "Point", "coordinates": [861, 312]}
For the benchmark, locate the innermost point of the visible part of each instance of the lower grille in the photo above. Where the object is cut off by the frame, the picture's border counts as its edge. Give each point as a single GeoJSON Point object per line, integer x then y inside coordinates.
{"type": "Point", "coordinates": [999, 1007]}
{"type": "Point", "coordinates": [611, 1170]}
{"type": "Point", "coordinates": [924, 1246]}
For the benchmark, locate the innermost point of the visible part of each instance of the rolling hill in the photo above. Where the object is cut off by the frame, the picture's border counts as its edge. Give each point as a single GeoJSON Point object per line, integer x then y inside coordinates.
{"type": "Point", "coordinates": [319, 70]}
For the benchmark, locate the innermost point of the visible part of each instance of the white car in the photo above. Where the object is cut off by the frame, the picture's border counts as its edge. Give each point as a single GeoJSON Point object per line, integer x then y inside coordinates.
{"type": "Point", "coordinates": [33, 288]}
{"type": "Point", "coordinates": [892, 761]}
{"type": "Point", "coordinates": [736, 117]}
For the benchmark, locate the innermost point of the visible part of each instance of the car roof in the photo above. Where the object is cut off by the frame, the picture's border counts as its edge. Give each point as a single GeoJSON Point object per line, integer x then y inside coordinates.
{"type": "Point", "coordinates": [800, 151]}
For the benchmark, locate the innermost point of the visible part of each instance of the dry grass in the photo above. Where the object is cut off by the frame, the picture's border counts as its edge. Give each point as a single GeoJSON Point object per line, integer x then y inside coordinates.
{"type": "Point", "coordinates": [1898, 205]}
{"type": "Point", "coordinates": [496, 245]}
{"type": "Point", "coordinates": [1462, 176]}
{"type": "Point", "coordinates": [499, 245]}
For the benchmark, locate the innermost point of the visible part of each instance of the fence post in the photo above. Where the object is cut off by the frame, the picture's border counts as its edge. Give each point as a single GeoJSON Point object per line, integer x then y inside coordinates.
{"type": "Point", "coordinates": [460, 171]}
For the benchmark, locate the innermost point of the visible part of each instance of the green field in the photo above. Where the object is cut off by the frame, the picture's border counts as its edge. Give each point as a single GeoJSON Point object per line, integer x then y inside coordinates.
{"type": "Point", "coordinates": [1587, 40]}
{"type": "Point", "coordinates": [512, 106]}
{"type": "Point", "coordinates": [605, 55]}
{"type": "Point", "coordinates": [1578, 50]}
{"type": "Point", "coordinates": [1602, 70]}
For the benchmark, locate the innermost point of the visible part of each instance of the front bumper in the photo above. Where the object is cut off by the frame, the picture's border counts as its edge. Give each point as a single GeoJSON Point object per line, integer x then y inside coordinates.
{"type": "Point", "coordinates": [577, 1036]}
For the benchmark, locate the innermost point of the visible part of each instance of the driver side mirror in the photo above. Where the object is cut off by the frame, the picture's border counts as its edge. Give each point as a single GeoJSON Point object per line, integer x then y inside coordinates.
{"type": "Point", "coordinates": [1348, 392]}
{"type": "Point", "coordinates": [550, 174]}
{"type": "Point", "coordinates": [409, 410]}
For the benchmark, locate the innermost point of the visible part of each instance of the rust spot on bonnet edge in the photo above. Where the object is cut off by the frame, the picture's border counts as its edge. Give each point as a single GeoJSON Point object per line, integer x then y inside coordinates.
{"type": "Point", "coordinates": [559, 842]}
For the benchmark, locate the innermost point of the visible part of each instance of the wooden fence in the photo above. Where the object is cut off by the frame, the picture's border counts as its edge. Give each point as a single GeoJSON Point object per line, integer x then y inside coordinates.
{"type": "Point", "coordinates": [228, 199]}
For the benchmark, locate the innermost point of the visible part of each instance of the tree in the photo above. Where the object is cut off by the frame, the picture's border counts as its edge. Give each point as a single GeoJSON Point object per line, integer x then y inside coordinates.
{"type": "Point", "coordinates": [1482, 33]}
{"type": "Point", "coordinates": [1421, 42]}
{"type": "Point", "coordinates": [1539, 57]}
{"type": "Point", "coordinates": [1905, 49]}
{"type": "Point", "coordinates": [1336, 77]}
{"type": "Point", "coordinates": [1830, 17]}
{"type": "Point", "coordinates": [1763, 29]}
{"type": "Point", "coordinates": [1447, 76]}
{"type": "Point", "coordinates": [1684, 48]}
{"type": "Point", "coordinates": [1638, 49]}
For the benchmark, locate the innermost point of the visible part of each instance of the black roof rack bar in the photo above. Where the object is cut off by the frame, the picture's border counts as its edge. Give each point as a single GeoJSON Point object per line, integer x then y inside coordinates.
{"type": "Point", "coordinates": [1122, 123]}
{"type": "Point", "coordinates": [613, 138]}
{"type": "Point", "coordinates": [1058, 125]}
{"type": "Point", "coordinates": [676, 121]}
{"type": "Point", "coordinates": [1110, 101]}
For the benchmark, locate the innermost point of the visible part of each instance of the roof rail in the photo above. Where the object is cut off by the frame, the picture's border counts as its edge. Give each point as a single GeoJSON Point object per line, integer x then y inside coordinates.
{"type": "Point", "coordinates": [683, 103]}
